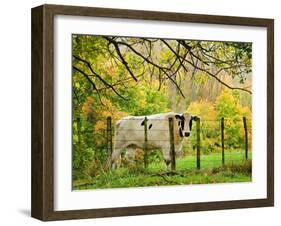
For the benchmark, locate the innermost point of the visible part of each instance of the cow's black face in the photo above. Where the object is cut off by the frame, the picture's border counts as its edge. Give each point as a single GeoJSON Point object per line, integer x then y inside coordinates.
{"type": "Point", "coordinates": [184, 124]}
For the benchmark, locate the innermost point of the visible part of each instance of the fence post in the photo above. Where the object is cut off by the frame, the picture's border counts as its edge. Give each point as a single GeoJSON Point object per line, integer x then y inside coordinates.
{"type": "Point", "coordinates": [222, 140]}
{"type": "Point", "coordinates": [246, 137]}
{"type": "Point", "coordinates": [145, 143]}
{"type": "Point", "coordinates": [79, 133]}
{"type": "Point", "coordinates": [198, 143]}
{"type": "Point", "coordinates": [172, 144]}
{"type": "Point", "coordinates": [109, 139]}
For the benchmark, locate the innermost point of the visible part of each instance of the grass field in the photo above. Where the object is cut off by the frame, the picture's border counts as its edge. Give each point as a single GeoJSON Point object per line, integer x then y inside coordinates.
{"type": "Point", "coordinates": [236, 169]}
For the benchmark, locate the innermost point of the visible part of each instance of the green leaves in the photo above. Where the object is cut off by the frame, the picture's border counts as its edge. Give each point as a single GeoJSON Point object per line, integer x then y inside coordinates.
{"type": "Point", "coordinates": [120, 76]}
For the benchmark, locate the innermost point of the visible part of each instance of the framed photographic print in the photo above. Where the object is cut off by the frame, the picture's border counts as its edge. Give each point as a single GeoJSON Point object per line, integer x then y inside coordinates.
{"type": "Point", "coordinates": [141, 112]}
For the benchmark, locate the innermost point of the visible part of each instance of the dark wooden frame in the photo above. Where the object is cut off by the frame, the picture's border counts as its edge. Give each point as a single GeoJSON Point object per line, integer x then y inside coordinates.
{"type": "Point", "coordinates": [42, 203]}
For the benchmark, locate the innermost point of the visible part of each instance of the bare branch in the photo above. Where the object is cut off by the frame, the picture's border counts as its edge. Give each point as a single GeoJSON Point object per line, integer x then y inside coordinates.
{"type": "Point", "coordinates": [163, 69]}
{"type": "Point", "coordinates": [98, 76]}
{"type": "Point", "coordinates": [209, 73]}
{"type": "Point", "coordinates": [219, 80]}
{"type": "Point", "coordinates": [121, 57]}
{"type": "Point", "coordinates": [87, 77]}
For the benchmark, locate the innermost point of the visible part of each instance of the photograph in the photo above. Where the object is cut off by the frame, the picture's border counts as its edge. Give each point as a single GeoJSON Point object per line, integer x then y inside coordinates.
{"type": "Point", "coordinates": [139, 112]}
{"type": "Point", "coordinates": [160, 112]}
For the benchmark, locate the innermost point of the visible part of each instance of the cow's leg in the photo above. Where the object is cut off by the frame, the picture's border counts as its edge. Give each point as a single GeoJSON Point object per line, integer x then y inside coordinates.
{"type": "Point", "coordinates": [116, 157]}
{"type": "Point", "coordinates": [130, 156]}
{"type": "Point", "coordinates": [167, 157]}
{"type": "Point", "coordinates": [178, 149]}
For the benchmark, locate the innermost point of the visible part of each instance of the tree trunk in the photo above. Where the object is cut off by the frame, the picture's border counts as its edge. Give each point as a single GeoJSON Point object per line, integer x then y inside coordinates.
{"type": "Point", "coordinates": [185, 87]}
{"type": "Point", "coordinates": [172, 93]}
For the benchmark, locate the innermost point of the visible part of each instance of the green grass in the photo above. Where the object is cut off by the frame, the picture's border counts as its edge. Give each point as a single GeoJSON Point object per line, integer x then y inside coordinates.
{"type": "Point", "coordinates": [236, 169]}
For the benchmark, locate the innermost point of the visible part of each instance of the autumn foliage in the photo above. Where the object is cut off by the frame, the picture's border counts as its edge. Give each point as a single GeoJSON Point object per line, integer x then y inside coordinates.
{"type": "Point", "coordinates": [117, 77]}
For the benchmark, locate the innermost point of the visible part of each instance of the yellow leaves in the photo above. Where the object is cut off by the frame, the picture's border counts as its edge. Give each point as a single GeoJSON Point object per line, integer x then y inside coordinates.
{"type": "Point", "coordinates": [226, 96]}
{"type": "Point", "coordinates": [108, 67]}
{"type": "Point", "coordinates": [100, 125]}
{"type": "Point", "coordinates": [248, 114]}
{"type": "Point", "coordinates": [142, 93]}
{"type": "Point", "coordinates": [245, 111]}
{"type": "Point", "coordinates": [202, 77]}
{"type": "Point", "coordinates": [101, 113]}
{"type": "Point", "coordinates": [142, 98]}
{"type": "Point", "coordinates": [228, 106]}
{"type": "Point", "coordinates": [87, 106]}
{"type": "Point", "coordinates": [142, 103]}
{"type": "Point", "coordinates": [110, 110]}
{"type": "Point", "coordinates": [204, 109]}
{"type": "Point", "coordinates": [107, 110]}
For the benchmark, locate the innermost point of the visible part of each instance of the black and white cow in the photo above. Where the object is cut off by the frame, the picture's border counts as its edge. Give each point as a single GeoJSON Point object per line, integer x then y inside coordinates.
{"type": "Point", "coordinates": [129, 134]}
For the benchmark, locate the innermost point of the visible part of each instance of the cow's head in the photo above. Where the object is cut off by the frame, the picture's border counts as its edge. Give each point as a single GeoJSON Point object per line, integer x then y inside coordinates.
{"type": "Point", "coordinates": [184, 123]}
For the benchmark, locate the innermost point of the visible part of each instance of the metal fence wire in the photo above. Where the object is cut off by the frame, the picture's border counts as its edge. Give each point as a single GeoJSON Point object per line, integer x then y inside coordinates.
{"type": "Point", "coordinates": [206, 133]}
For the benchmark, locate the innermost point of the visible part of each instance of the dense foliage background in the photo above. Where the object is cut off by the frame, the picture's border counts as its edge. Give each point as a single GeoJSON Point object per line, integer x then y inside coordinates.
{"type": "Point", "coordinates": [117, 76]}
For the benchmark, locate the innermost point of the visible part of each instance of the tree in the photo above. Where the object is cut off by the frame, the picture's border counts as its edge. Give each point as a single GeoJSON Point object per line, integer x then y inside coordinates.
{"type": "Point", "coordinates": [165, 59]}
{"type": "Point", "coordinates": [228, 106]}
{"type": "Point", "coordinates": [119, 76]}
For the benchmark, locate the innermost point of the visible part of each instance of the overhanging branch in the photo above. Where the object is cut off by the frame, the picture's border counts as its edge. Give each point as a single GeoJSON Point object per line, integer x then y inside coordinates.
{"type": "Point", "coordinates": [96, 75]}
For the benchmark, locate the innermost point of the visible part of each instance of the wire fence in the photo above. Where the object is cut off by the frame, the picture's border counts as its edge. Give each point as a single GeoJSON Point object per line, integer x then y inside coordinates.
{"type": "Point", "coordinates": [166, 134]}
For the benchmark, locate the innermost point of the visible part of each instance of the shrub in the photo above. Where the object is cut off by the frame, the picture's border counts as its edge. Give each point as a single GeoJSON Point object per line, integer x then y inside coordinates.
{"type": "Point", "coordinates": [227, 105]}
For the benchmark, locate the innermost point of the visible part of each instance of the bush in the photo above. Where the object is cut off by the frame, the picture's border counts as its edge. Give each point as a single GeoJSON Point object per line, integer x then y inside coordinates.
{"type": "Point", "coordinates": [227, 105]}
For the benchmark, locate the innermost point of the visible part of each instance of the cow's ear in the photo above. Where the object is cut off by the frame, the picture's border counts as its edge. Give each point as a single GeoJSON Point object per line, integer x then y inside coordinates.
{"type": "Point", "coordinates": [194, 118]}
{"type": "Point", "coordinates": [190, 123]}
{"type": "Point", "coordinates": [178, 116]}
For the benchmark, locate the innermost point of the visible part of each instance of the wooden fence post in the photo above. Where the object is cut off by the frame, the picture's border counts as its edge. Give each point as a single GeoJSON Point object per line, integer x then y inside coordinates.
{"type": "Point", "coordinates": [79, 133]}
{"type": "Point", "coordinates": [172, 144]}
{"type": "Point", "coordinates": [109, 139]}
{"type": "Point", "coordinates": [145, 143]}
{"type": "Point", "coordinates": [222, 140]}
{"type": "Point", "coordinates": [246, 137]}
{"type": "Point", "coordinates": [198, 146]}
